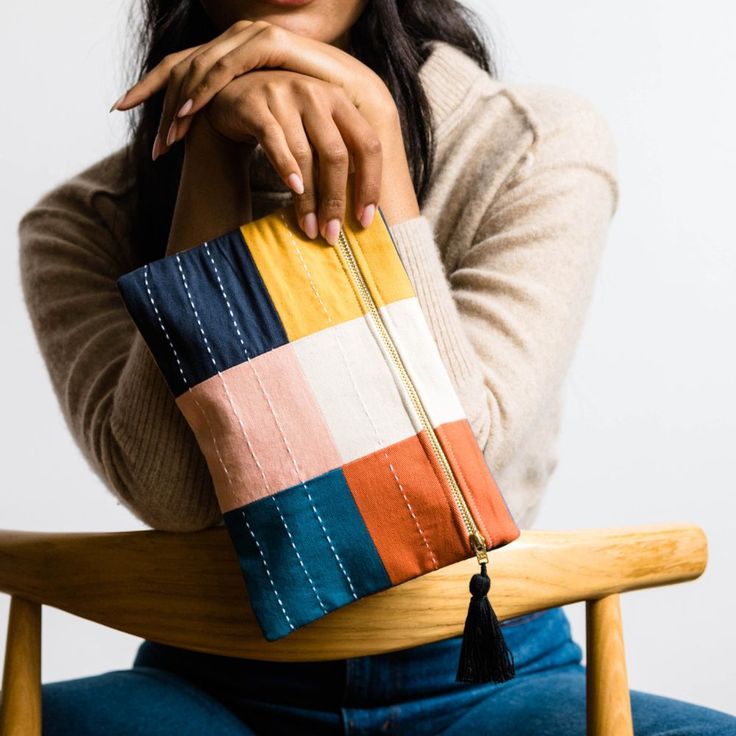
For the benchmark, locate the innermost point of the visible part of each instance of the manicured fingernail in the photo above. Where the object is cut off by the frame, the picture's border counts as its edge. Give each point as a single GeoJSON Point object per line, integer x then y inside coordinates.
{"type": "Point", "coordinates": [332, 229]}
{"type": "Point", "coordinates": [118, 101]}
{"type": "Point", "coordinates": [156, 146]}
{"type": "Point", "coordinates": [366, 217]}
{"type": "Point", "coordinates": [185, 108]}
{"type": "Point", "coordinates": [296, 183]}
{"type": "Point", "coordinates": [310, 225]}
{"type": "Point", "coordinates": [171, 134]}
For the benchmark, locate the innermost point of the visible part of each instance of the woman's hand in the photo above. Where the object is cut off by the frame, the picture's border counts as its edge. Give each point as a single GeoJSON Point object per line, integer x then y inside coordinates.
{"type": "Point", "coordinates": [194, 76]}
{"type": "Point", "coordinates": [289, 114]}
{"type": "Point", "coordinates": [207, 72]}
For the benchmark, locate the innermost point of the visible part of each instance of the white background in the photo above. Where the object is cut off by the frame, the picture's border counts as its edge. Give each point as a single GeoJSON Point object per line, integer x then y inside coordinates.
{"type": "Point", "coordinates": [649, 426]}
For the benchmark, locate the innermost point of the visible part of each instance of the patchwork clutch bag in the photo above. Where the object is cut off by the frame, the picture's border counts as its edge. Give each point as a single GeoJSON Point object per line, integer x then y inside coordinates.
{"type": "Point", "coordinates": [341, 457]}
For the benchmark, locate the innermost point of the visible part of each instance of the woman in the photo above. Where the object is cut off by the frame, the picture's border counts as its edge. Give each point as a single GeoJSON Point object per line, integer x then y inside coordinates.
{"type": "Point", "coordinates": [498, 197]}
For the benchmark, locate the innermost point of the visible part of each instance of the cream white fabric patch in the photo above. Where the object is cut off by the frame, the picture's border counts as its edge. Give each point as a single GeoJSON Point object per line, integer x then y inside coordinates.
{"type": "Point", "coordinates": [410, 332]}
{"type": "Point", "coordinates": [355, 389]}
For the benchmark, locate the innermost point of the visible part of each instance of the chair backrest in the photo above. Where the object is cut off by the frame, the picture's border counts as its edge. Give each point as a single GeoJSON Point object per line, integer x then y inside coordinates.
{"type": "Point", "coordinates": [186, 589]}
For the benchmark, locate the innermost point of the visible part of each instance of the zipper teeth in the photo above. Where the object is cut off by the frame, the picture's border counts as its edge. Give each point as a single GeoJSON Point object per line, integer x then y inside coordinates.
{"type": "Point", "coordinates": [476, 538]}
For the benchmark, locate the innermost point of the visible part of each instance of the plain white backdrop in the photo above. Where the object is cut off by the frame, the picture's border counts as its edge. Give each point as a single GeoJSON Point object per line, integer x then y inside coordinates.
{"type": "Point", "coordinates": [650, 424]}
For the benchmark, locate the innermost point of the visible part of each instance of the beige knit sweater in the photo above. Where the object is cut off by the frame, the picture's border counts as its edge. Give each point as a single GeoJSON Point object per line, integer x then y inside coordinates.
{"type": "Point", "coordinates": [503, 259]}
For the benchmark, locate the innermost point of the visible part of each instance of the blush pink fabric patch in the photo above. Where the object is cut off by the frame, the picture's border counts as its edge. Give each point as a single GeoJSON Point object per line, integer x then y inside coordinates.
{"type": "Point", "coordinates": [250, 423]}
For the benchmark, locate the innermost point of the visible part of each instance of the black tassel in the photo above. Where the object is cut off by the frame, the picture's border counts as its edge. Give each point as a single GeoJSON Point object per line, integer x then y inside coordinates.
{"type": "Point", "coordinates": [484, 656]}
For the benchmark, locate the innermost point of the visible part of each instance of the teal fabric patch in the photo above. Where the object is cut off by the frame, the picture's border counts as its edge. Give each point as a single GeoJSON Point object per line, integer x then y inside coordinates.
{"type": "Point", "coordinates": [304, 552]}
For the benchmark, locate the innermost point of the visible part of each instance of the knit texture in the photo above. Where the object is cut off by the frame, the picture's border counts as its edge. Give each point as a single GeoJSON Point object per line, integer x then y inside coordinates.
{"type": "Point", "coordinates": [503, 258]}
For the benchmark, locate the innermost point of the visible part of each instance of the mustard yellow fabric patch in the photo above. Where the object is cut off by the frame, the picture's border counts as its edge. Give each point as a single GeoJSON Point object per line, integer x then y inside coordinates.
{"type": "Point", "coordinates": [306, 279]}
{"type": "Point", "coordinates": [380, 263]}
{"type": "Point", "coordinates": [308, 290]}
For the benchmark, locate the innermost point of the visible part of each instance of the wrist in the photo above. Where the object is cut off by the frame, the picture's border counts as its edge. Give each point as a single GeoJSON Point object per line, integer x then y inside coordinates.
{"type": "Point", "coordinates": [398, 200]}
{"type": "Point", "coordinates": [206, 148]}
{"type": "Point", "coordinates": [214, 188]}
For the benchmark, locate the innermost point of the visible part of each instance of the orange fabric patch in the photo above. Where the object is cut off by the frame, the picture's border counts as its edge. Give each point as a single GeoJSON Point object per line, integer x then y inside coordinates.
{"type": "Point", "coordinates": [409, 513]}
{"type": "Point", "coordinates": [477, 484]}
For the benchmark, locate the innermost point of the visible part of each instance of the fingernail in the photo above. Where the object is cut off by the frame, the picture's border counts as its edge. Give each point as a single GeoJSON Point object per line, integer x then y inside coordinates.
{"type": "Point", "coordinates": [296, 183]}
{"type": "Point", "coordinates": [118, 101]}
{"type": "Point", "coordinates": [310, 225]}
{"type": "Point", "coordinates": [185, 108]}
{"type": "Point", "coordinates": [156, 145]}
{"type": "Point", "coordinates": [366, 216]}
{"type": "Point", "coordinates": [172, 132]}
{"type": "Point", "coordinates": [332, 229]}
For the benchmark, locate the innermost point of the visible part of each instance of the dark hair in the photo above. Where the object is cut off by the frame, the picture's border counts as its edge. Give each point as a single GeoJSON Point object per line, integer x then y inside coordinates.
{"type": "Point", "coordinates": [390, 36]}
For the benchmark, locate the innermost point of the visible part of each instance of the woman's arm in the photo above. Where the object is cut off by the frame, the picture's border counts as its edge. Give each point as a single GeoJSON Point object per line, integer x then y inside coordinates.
{"type": "Point", "coordinates": [111, 393]}
{"type": "Point", "coordinates": [508, 317]}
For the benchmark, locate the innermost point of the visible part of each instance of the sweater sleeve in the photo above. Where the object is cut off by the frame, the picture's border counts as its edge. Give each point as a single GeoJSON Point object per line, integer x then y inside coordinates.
{"type": "Point", "coordinates": [110, 391]}
{"type": "Point", "coordinates": [508, 316]}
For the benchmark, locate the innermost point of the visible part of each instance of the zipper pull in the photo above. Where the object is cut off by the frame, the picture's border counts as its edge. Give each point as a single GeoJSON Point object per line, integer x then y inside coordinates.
{"type": "Point", "coordinates": [478, 543]}
{"type": "Point", "coordinates": [484, 656]}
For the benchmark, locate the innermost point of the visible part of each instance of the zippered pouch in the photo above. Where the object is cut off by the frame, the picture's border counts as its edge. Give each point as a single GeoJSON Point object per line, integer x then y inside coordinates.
{"type": "Point", "coordinates": [340, 454]}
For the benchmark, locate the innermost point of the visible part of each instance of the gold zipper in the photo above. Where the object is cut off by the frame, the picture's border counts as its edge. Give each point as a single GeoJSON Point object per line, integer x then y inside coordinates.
{"type": "Point", "coordinates": [477, 542]}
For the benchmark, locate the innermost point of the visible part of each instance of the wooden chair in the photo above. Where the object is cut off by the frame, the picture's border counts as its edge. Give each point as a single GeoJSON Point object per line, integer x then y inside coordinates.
{"type": "Point", "coordinates": [186, 590]}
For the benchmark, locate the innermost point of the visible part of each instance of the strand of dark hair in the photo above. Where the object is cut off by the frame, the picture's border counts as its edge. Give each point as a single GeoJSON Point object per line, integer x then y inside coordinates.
{"type": "Point", "coordinates": [392, 37]}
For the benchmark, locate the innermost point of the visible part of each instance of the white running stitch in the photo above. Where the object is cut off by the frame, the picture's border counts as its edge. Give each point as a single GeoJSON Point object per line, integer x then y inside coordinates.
{"type": "Point", "coordinates": [222, 378]}
{"type": "Point", "coordinates": [184, 378]}
{"type": "Point", "coordinates": [379, 442]}
{"type": "Point", "coordinates": [268, 572]}
{"type": "Point", "coordinates": [281, 432]}
{"type": "Point", "coordinates": [245, 436]}
{"type": "Point", "coordinates": [299, 557]}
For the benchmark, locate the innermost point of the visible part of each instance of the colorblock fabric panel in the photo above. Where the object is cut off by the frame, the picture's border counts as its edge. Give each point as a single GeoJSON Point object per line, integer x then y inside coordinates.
{"type": "Point", "coordinates": [259, 427]}
{"type": "Point", "coordinates": [408, 509]}
{"type": "Point", "coordinates": [379, 262]}
{"type": "Point", "coordinates": [410, 333]}
{"type": "Point", "coordinates": [304, 552]}
{"type": "Point", "coordinates": [477, 483]}
{"type": "Point", "coordinates": [304, 278]}
{"type": "Point", "coordinates": [354, 388]}
{"type": "Point", "coordinates": [202, 310]}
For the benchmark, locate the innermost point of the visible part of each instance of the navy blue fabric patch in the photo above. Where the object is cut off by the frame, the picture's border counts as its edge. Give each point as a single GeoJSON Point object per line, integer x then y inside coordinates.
{"type": "Point", "coordinates": [304, 552]}
{"type": "Point", "coordinates": [203, 310]}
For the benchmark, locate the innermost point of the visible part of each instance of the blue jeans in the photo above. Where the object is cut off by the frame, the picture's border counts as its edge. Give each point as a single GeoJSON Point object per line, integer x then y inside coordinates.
{"type": "Point", "coordinates": [174, 691]}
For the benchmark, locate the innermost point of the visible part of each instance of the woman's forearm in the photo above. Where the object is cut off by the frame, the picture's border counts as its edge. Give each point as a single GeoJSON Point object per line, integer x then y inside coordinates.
{"type": "Point", "coordinates": [214, 190]}
{"type": "Point", "coordinates": [398, 199]}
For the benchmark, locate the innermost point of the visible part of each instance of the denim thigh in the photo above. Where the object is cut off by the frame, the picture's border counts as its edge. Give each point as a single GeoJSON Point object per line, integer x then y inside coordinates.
{"type": "Point", "coordinates": [410, 691]}
{"type": "Point", "coordinates": [545, 698]}
{"type": "Point", "coordinates": [413, 691]}
{"type": "Point", "coordinates": [553, 704]}
{"type": "Point", "coordinates": [143, 701]}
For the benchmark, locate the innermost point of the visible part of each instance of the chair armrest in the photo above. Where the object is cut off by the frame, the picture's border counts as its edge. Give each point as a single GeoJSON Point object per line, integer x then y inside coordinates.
{"type": "Point", "coordinates": [186, 589]}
